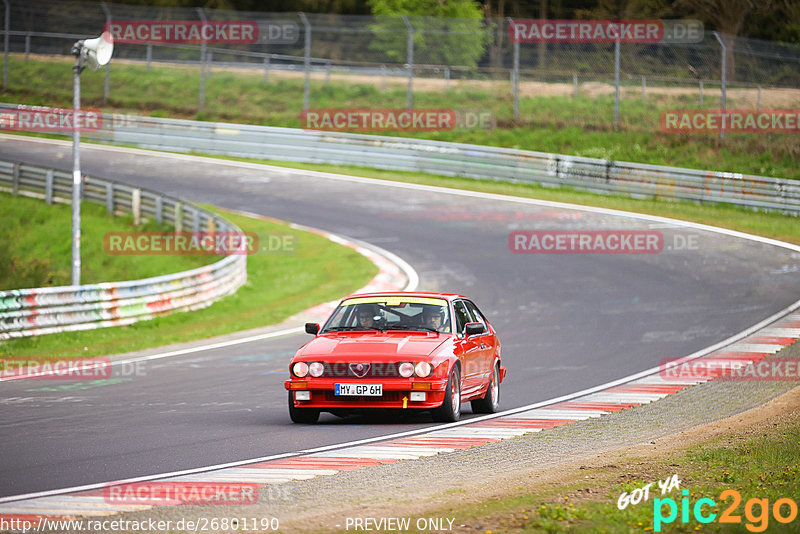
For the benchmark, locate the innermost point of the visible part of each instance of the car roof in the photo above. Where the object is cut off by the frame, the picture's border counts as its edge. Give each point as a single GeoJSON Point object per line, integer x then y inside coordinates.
{"type": "Point", "coordinates": [447, 296]}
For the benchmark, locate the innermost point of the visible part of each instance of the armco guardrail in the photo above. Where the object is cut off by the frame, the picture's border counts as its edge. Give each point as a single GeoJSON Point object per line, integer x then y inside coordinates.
{"type": "Point", "coordinates": [30, 312]}
{"type": "Point", "coordinates": [452, 159]}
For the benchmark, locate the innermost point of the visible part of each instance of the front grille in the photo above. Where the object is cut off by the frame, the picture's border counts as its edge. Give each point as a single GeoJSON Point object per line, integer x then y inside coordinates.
{"type": "Point", "coordinates": [350, 370]}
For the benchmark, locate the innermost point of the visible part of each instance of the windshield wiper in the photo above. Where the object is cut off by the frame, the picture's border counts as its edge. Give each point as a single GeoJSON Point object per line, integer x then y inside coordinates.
{"type": "Point", "coordinates": [408, 327]}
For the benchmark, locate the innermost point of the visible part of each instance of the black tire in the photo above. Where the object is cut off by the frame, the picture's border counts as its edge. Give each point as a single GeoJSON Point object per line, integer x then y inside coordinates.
{"type": "Point", "coordinates": [308, 416]}
{"type": "Point", "coordinates": [490, 403]}
{"type": "Point", "coordinates": [450, 410]}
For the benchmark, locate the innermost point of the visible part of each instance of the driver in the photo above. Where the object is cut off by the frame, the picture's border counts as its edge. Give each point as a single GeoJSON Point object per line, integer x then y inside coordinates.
{"type": "Point", "coordinates": [432, 317]}
{"type": "Point", "coordinates": [366, 315]}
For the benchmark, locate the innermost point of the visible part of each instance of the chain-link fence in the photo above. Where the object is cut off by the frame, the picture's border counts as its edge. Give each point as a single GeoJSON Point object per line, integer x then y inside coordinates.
{"type": "Point", "coordinates": [421, 54]}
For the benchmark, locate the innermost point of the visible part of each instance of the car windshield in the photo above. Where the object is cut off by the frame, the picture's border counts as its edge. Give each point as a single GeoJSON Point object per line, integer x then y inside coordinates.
{"type": "Point", "coordinates": [425, 314]}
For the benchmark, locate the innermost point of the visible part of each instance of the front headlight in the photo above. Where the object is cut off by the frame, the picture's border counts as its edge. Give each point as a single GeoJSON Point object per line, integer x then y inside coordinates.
{"type": "Point", "coordinates": [316, 369]}
{"type": "Point", "coordinates": [423, 369]}
{"type": "Point", "coordinates": [300, 369]}
{"type": "Point", "coordinates": [405, 369]}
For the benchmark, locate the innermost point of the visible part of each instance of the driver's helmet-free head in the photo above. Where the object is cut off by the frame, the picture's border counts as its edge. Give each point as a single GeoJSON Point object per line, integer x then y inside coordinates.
{"type": "Point", "coordinates": [368, 311]}
{"type": "Point", "coordinates": [430, 311]}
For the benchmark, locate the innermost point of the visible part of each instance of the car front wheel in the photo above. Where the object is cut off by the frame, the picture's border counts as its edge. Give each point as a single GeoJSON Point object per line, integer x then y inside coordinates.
{"type": "Point", "coordinates": [450, 410]}
{"type": "Point", "coordinates": [302, 415]}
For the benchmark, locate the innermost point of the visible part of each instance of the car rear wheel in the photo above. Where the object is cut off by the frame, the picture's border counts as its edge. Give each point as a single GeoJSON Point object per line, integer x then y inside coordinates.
{"type": "Point", "coordinates": [450, 410]}
{"type": "Point", "coordinates": [302, 415]}
{"type": "Point", "coordinates": [490, 403]}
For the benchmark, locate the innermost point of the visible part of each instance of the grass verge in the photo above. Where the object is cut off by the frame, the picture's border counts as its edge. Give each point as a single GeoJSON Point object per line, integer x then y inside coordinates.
{"type": "Point", "coordinates": [279, 284]}
{"type": "Point", "coordinates": [580, 126]}
{"type": "Point", "coordinates": [36, 240]}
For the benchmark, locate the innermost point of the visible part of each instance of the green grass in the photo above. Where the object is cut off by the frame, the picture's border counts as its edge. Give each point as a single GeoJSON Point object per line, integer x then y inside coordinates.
{"type": "Point", "coordinates": [36, 240]}
{"type": "Point", "coordinates": [558, 124]}
{"type": "Point", "coordinates": [280, 283]}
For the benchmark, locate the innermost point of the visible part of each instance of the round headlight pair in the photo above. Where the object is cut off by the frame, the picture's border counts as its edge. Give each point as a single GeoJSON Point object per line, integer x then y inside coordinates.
{"type": "Point", "coordinates": [422, 369]}
{"type": "Point", "coordinates": [314, 369]}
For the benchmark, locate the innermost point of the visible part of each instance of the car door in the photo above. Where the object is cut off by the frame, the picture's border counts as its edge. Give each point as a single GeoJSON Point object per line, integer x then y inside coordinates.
{"type": "Point", "coordinates": [471, 352]}
{"type": "Point", "coordinates": [487, 343]}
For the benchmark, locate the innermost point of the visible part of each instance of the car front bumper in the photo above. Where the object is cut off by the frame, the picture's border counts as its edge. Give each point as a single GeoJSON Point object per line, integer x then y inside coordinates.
{"type": "Point", "coordinates": [396, 393]}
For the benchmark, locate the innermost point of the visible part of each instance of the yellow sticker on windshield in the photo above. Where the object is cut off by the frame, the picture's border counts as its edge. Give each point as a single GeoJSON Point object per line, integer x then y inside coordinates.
{"type": "Point", "coordinates": [395, 301]}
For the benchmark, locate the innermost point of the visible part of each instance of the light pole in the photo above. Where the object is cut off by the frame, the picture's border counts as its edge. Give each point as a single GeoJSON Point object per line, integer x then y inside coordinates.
{"type": "Point", "coordinates": [95, 53]}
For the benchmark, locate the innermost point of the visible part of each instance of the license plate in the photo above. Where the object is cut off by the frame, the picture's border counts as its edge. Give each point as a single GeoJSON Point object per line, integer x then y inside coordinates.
{"type": "Point", "coordinates": [359, 390]}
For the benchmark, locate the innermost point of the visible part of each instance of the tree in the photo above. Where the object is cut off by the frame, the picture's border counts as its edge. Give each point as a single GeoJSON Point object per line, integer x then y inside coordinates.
{"type": "Point", "coordinates": [728, 17]}
{"type": "Point", "coordinates": [446, 32]}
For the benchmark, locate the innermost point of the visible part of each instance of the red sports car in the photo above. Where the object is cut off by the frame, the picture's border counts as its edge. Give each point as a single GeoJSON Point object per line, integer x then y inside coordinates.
{"type": "Point", "coordinates": [398, 351]}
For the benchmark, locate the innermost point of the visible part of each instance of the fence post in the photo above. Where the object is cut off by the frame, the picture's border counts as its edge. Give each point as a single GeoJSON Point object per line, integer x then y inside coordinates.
{"type": "Point", "coordinates": [701, 93]}
{"type": "Point", "coordinates": [136, 206]}
{"type": "Point", "coordinates": [383, 78]}
{"type": "Point", "coordinates": [149, 55]}
{"type": "Point", "coordinates": [446, 78]}
{"type": "Point", "coordinates": [616, 81]}
{"type": "Point", "coordinates": [110, 198]}
{"type": "Point", "coordinates": [575, 85]}
{"type": "Point", "coordinates": [5, 42]}
{"type": "Point", "coordinates": [515, 75]}
{"type": "Point", "coordinates": [178, 217]}
{"type": "Point", "coordinates": [159, 209]}
{"type": "Point", "coordinates": [644, 89]}
{"type": "Point", "coordinates": [328, 73]}
{"type": "Point", "coordinates": [758, 103]}
{"type": "Point", "coordinates": [27, 46]}
{"type": "Point", "coordinates": [48, 186]}
{"type": "Point", "coordinates": [195, 220]}
{"type": "Point", "coordinates": [15, 180]}
{"type": "Point", "coordinates": [306, 60]}
{"type": "Point", "coordinates": [202, 96]}
{"type": "Point", "coordinates": [107, 82]}
{"type": "Point", "coordinates": [724, 83]}
{"type": "Point", "coordinates": [266, 68]}
{"type": "Point", "coordinates": [209, 62]}
{"type": "Point", "coordinates": [410, 61]}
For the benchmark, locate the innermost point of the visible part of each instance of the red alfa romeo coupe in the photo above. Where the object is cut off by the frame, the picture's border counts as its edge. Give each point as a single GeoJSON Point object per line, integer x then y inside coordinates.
{"type": "Point", "coordinates": [398, 352]}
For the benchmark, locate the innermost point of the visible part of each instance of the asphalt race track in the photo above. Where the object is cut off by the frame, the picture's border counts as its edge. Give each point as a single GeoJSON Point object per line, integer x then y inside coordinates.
{"type": "Point", "coordinates": [566, 321]}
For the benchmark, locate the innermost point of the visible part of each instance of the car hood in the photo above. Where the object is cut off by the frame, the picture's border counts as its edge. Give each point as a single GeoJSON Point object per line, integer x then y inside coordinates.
{"type": "Point", "coordinates": [372, 346]}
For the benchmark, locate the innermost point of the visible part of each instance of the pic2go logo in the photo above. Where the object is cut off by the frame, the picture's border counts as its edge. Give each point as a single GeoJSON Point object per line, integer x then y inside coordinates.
{"type": "Point", "coordinates": [756, 511]}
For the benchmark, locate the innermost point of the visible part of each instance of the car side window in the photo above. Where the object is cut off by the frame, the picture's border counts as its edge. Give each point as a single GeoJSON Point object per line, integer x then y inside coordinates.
{"type": "Point", "coordinates": [463, 316]}
{"type": "Point", "coordinates": [476, 313]}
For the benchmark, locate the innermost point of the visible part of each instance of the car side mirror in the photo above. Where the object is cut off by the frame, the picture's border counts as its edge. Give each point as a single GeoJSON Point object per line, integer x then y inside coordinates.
{"type": "Point", "coordinates": [312, 328]}
{"type": "Point", "coordinates": [474, 328]}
